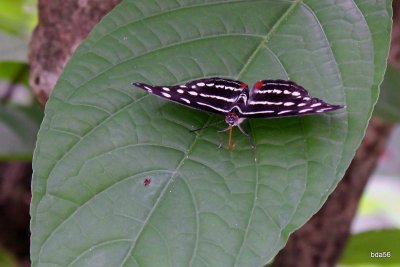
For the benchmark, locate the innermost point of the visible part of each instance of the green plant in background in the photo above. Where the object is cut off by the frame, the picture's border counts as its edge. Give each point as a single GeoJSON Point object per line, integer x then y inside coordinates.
{"type": "Point", "coordinates": [18, 17]}
{"type": "Point", "coordinates": [7, 260]}
{"type": "Point", "coordinates": [20, 116]}
{"type": "Point", "coordinates": [101, 138]}
{"type": "Point", "coordinates": [373, 248]}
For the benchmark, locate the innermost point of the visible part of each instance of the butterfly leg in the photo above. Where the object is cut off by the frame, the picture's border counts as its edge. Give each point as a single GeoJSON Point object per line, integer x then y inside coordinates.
{"type": "Point", "coordinates": [251, 141]}
{"type": "Point", "coordinates": [230, 145]}
{"type": "Point", "coordinates": [243, 131]}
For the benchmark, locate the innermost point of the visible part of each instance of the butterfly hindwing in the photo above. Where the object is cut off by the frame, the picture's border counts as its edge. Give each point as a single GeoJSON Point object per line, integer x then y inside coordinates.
{"type": "Point", "coordinates": [280, 98]}
{"type": "Point", "coordinates": [215, 95]}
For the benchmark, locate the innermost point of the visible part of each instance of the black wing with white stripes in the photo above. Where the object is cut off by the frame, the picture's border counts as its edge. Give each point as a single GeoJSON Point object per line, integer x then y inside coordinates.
{"type": "Point", "coordinates": [266, 99]}
{"type": "Point", "coordinates": [216, 95]}
{"type": "Point", "coordinates": [280, 98]}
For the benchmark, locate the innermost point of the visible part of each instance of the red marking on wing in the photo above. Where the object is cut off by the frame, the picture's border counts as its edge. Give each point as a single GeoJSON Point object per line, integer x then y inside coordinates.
{"type": "Point", "coordinates": [147, 181]}
{"type": "Point", "coordinates": [243, 85]}
{"type": "Point", "coordinates": [259, 85]}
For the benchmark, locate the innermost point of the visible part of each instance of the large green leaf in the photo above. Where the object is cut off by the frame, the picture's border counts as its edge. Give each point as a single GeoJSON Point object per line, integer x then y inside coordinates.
{"type": "Point", "coordinates": [101, 138]}
{"type": "Point", "coordinates": [388, 106]}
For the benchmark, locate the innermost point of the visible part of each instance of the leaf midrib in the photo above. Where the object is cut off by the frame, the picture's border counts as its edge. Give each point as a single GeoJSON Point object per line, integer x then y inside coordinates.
{"type": "Point", "coordinates": [254, 54]}
{"type": "Point", "coordinates": [265, 40]}
{"type": "Point", "coordinates": [165, 189]}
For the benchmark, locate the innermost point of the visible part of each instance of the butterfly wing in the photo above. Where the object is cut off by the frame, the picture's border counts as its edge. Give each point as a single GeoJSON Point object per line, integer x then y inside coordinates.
{"type": "Point", "coordinates": [214, 95]}
{"type": "Point", "coordinates": [279, 98]}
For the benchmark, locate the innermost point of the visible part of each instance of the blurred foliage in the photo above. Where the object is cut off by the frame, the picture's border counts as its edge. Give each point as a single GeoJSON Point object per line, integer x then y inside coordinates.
{"type": "Point", "coordinates": [6, 260]}
{"type": "Point", "coordinates": [18, 17]}
{"type": "Point", "coordinates": [20, 115]}
{"type": "Point", "coordinates": [388, 106]}
{"type": "Point", "coordinates": [10, 70]}
{"type": "Point", "coordinates": [18, 129]}
{"type": "Point", "coordinates": [12, 48]}
{"type": "Point", "coordinates": [367, 249]}
{"type": "Point", "coordinates": [17, 20]}
{"type": "Point", "coordinates": [381, 197]}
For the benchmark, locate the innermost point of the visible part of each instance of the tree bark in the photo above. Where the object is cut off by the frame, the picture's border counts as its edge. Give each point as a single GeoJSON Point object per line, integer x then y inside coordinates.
{"type": "Point", "coordinates": [15, 198]}
{"type": "Point", "coordinates": [62, 27]}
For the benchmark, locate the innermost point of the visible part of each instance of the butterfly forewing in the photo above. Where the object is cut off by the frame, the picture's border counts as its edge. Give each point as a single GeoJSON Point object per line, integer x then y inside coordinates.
{"type": "Point", "coordinates": [215, 95]}
{"type": "Point", "coordinates": [280, 98]}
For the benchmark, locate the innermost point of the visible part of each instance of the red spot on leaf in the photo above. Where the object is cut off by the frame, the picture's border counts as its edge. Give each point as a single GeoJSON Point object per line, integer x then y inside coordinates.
{"type": "Point", "coordinates": [147, 181]}
{"type": "Point", "coordinates": [259, 85]}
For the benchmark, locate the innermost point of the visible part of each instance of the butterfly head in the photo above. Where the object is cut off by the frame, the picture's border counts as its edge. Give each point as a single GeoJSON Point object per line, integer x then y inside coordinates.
{"type": "Point", "coordinates": [232, 119]}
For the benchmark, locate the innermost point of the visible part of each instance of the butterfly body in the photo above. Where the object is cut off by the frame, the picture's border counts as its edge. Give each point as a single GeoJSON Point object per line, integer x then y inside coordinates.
{"type": "Point", "coordinates": [236, 101]}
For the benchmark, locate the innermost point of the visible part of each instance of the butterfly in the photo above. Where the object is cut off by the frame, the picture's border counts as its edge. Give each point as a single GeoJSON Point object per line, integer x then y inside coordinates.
{"type": "Point", "coordinates": [236, 101]}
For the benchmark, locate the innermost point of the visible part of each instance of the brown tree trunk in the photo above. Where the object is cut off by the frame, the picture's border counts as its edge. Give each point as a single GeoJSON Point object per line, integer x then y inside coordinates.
{"type": "Point", "coordinates": [321, 240]}
{"type": "Point", "coordinates": [15, 196]}
{"type": "Point", "coordinates": [62, 27]}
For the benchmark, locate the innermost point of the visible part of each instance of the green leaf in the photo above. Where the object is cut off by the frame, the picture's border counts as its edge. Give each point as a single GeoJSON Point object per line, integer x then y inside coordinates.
{"type": "Point", "coordinates": [388, 103]}
{"type": "Point", "coordinates": [101, 137]}
{"type": "Point", "coordinates": [18, 130]}
{"type": "Point", "coordinates": [12, 48]}
{"type": "Point", "coordinates": [369, 247]}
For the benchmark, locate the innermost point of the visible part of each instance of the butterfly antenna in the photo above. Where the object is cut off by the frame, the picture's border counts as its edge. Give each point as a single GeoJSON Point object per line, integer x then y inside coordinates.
{"type": "Point", "coordinates": [209, 125]}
